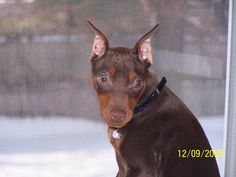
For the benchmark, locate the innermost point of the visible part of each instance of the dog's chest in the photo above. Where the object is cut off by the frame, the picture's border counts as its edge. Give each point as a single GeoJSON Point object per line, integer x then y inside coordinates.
{"type": "Point", "coordinates": [128, 144]}
{"type": "Point", "coordinates": [116, 138]}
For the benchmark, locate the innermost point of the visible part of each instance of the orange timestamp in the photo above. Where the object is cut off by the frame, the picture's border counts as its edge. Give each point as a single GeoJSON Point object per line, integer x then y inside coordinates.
{"type": "Point", "coordinates": [197, 153]}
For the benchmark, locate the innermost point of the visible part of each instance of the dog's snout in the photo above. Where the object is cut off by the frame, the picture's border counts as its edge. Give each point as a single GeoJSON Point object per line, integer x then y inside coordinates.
{"type": "Point", "coordinates": [117, 115]}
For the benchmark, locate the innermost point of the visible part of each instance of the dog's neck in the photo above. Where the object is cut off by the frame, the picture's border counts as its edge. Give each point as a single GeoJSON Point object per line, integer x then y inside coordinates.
{"type": "Point", "coordinates": [151, 85]}
{"type": "Point", "coordinates": [150, 97]}
{"type": "Point", "coordinates": [152, 82]}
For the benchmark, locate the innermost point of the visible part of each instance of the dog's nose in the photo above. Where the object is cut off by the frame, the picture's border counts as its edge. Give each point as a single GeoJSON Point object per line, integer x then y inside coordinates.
{"type": "Point", "coordinates": [117, 115]}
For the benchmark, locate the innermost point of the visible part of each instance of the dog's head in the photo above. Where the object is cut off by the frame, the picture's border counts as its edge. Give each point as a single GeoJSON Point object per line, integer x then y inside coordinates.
{"type": "Point", "coordinates": [120, 76]}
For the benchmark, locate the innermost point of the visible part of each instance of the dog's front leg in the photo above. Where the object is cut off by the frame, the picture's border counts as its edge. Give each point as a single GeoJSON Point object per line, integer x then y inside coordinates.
{"type": "Point", "coordinates": [130, 173]}
{"type": "Point", "coordinates": [118, 174]}
{"type": "Point", "coordinates": [122, 174]}
{"type": "Point", "coordinates": [123, 167]}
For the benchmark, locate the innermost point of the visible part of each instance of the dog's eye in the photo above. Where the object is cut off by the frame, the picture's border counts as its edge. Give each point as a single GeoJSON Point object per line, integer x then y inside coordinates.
{"type": "Point", "coordinates": [137, 84]}
{"type": "Point", "coordinates": [103, 79]}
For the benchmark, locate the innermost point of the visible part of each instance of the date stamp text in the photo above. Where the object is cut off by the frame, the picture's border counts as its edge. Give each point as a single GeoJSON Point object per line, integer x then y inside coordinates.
{"type": "Point", "coordinates": [197, 153]}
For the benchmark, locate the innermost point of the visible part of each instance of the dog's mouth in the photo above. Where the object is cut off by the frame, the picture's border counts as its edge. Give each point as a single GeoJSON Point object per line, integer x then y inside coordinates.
{"type": "Point", "coordinates": [116, 109]}
{"type": "Point", "coordinates": [117, 118]}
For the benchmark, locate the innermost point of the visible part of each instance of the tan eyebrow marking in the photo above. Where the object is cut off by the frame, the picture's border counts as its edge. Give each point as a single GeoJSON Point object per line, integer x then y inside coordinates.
{"type": "Point", "coordinates": [112, 71]}
{"type": "Point", "coordinates": [132, 76]}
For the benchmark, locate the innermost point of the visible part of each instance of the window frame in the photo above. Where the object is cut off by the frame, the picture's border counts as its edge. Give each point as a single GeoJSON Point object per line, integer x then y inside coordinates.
{"type": "Point", "coordinates": [230, 96]}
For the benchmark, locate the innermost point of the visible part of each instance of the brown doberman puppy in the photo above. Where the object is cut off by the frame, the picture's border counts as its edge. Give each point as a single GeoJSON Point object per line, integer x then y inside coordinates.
{"type": "Point", "coordinates": [153, 133]}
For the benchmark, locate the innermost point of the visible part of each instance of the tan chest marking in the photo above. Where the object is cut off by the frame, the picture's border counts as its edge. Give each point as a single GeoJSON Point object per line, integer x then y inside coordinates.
{"type": "Point", "coordinates": [116, 143]}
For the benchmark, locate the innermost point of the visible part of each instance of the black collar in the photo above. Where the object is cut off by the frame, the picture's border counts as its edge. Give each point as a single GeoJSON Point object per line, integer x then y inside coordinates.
{"type": "Point", "coordinates": [147, 101]}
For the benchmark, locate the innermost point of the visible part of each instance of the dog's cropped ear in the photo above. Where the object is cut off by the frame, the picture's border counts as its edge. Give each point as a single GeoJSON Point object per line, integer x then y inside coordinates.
{"type": "Point", "coordinates": [144, 48]}
{"type": "Point", "coordinates": [100, 43]}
